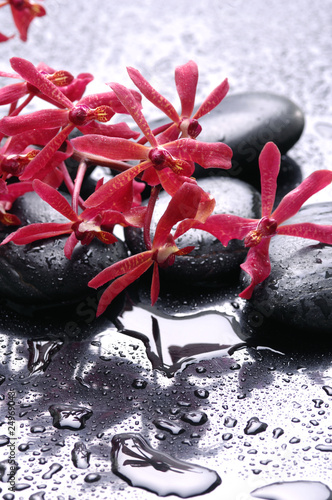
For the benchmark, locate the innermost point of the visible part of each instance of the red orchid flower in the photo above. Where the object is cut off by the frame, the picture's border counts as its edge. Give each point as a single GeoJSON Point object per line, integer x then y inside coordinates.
{"type": "Point", "coordinates": [186, 78]}
{"type": "Point", "coordinates": [257, 233]}
{"type": "Point", "coordinates": [169, 164]}
{"type": "Point", "coordinates": [68, 117]}
{"type": "Point", "coordinates": [8, 194]}
{"type": "Point", "coordinates": [15, 156]}
{"type": "Point", "coordinates": [186, 203]}
{"type": "Point", "coordinates": [84, 227]}
{"type": "Point", "coordinates": [71, 87]}
{"type": "Point", "coordinates": [24, 12]}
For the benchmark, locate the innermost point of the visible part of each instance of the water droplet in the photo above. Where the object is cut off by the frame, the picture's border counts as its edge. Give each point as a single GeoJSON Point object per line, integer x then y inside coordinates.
{"type": "Point", "coordinates": [143, 467]}
{"type": "Point", "coordinates": [40, 495]}
{"type": "Point", "coordinates": [41, 353]}
{"type": "Point", "coordinates": [195, 417]}
{"type": "Point", "coordinates": [201, 393]}
{"type": "Point", "coordinates": [254, 426]}
{"type": "Point", "coordinates": [318, 402]}
{"type": "Point", "coordinates": [23, 447]}
{"type": "Point", "coordinates": [328, 390]}
{"type": "Point", "coordinates": [80, 456]}
{"type": "Point", "coordinates": [36, 429]}
{"type": "Point", "coordinates": [139, 383]}
{"type": "Point", "coordinates": [277, 432]}
{"type": "Point", "coordinates": [294, 440]}
{"type": "Point", "coordinates": [169, 426]}
{"type": "Point", "coordinates": [8, 469]}
{"type": "Point", "coordinates": [294, 490]}
{"type": "Point", "coordinates": [52, 470]}
{"type": "Point", "coordinates": [69, 417]}
{"type": "Point", "coordinates": [324, 447]}
{"type": "Point", "coordinates": [92, 478]}
{"type": "Point", "coordinates": [230, 422]}
{"type": "Point", "coordinates": [4, 440]}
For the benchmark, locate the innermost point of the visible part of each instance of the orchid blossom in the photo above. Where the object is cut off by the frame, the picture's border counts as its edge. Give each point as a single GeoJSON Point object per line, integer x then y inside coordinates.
{"type": "Point", "coordinates": [186, 78]}
{"type": "Point", "coordinates": [23, 12]}
{"type": "Point", "coordinates": [84, 227]}
{"type": "Point", "coordinates": [67, 117]}
{"type": "Point", "coordinates": [71, 87]}
{"type": "Point", "coordinates": [8, 194]}
{"type": "Point", "coordinates": [169, 164]}
{"type": "Point", "coordinates": [257, 233]}
{"type": "Point", "coordinates": [188, 202]}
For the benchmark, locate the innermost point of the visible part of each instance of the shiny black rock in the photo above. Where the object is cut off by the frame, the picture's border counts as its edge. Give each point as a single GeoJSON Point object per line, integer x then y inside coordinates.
{"type": "Point", "coordinates": [246, 122]}
{"type": "Point", "coordinates": [297, 294]}
{"type": "Point", "coordinates": [39, 273]}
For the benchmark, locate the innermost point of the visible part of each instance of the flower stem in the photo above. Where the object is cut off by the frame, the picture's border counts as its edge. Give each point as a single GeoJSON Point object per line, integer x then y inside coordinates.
{"type": "Point", "coordinates": [82, 168]}
{"type": "Point", "coordinates": [148, 216]}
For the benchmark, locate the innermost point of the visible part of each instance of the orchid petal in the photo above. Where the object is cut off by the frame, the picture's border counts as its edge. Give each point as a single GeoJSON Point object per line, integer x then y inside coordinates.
{"type": "Point", "coordinates": [186, 78]}
{"type": "Point", "coordinates": [4, 38]}
{"type": "Point", "coordinates": [122, 267]}
{"type": "Point", "coordinates": [106, 191]}
{"type": "Point", "coordinates": [24, 17]}
{"type": "Point", "coordinates": [119, 285]}
{"type": "Point", "coordinates": [29, 73]}
{"type": "Point", "coordinates": [121, 129]}
{"type": "Point", "coordinates": [133, 108]}
{"type": "Point", "coordinates": [269, 165]}
{"type": "Point", "coordinates": [212, 100]}
{"type": "Point", "coordinates": [12, 93]}
{"type": "Point", "coordinates": [50, 118]}
{"type": "Point", "coordinates": [322, 233]}
{"type": "Point", "coordinates": [170, 181]}
{"type": "Point", "coordinates": [155, 285]}
{"type": "Point", "coordinates": [183, 205]}
{"type": "Point", "coordinates": [224, 227]}
{"type": "Point", "coordinates": [294, 200]}
{"type": "Point", "coordinates": [109, 99]}
{"type": "Point", "coordinates": [17, 143]}
{"type": "Point", "coordinates": [70, 245]}
{"type": "Point", "coordinates": [111, 148]}
{"type": "Point", "coordinates": [45, 155]}
{"type": "Point", "coordinates": [152, 95]}
{"type": "Point", "coordinates": [106, 237]}
{"type": "Point", "coordinates": [9, 219]}
{"type": "Point", "coordinates": [208, 155]}
{"type": "Point", "coordinates": [54, 199]}
{"type": "Point", "coordinates": [18, 189]}
{"type": "Point", "coordinates": [169, 135]}
{"type": "Point", "coordinates": [257, 265]}
{"type": "Point", "coordinates": [76, 88]}
{"type": "Point", "coordinates": [38, 231]}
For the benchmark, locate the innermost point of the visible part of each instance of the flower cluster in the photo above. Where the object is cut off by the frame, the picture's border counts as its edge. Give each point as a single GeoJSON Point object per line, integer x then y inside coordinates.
{"type": "Point", "coordinates": [23, 12]}
{"type": "Point", "coordinates": [34, 148]}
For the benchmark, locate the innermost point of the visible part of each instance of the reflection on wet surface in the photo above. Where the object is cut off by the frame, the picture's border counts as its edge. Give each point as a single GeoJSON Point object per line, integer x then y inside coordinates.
{"type": "Point", "coordinates": [246, 412]}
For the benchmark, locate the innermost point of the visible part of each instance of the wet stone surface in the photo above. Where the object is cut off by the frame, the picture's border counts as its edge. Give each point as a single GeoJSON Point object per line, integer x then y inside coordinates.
{"type": "Point", "coordinates": [245, 122]}
{"type": "Point", "coordinates": [210, 260]}
{"type": "Point", "coordinates": [298, 291]}
{"type": "Point", "coordinates": [39, 273]}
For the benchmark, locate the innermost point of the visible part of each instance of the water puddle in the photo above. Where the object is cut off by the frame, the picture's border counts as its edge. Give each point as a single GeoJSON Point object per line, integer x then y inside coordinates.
{"type": "Point", "coordinates": [294, 490]}
{"type": "Point", "coordinates": [144, 467]}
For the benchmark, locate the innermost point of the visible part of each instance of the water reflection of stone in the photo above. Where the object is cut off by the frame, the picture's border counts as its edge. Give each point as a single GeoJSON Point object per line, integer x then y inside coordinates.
{"type": "Point", "coordinates": [171, 343]}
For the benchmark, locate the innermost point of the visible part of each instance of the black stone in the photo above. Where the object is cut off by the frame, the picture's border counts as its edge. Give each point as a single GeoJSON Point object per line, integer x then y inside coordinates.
{"type": "Point", "coordinates": [210, 261]}
{"type": "Point", "coordinates": [246, 122]}
{"type": "Point", "coordinates": [39, 273]}
{"type": "Point", "coordinates": [297, 294]}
